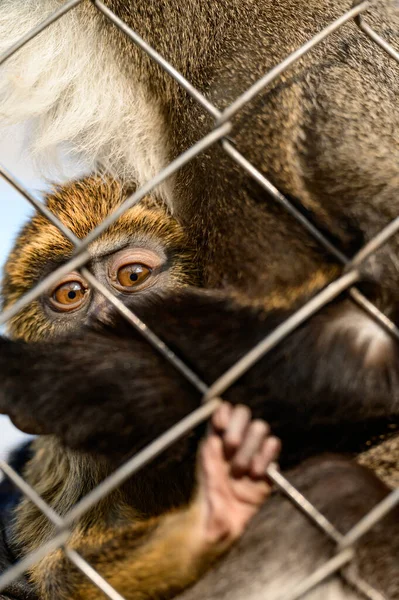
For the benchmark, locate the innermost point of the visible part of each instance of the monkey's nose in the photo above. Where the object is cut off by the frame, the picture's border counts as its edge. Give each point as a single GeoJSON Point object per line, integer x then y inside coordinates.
{"type": "Point", "coordinates": [100, 312]}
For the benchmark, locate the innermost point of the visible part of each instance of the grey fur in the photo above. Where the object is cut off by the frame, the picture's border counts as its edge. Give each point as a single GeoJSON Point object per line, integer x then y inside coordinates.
{"type": "Point", "coordinates": [326, 133]}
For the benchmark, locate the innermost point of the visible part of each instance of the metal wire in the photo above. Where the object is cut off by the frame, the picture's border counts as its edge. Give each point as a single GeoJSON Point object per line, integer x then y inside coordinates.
{"type": "Point", "coordinates": [182, 81]}
{"type": "Point", "coordinates": [81, 245]}
{"type": "Point", "coordinates": [249, 94]}
{"type": "Point", "coordinates": [202, 145]}
{"type": "Point", "coordinates": [92, 574]}
{"type": "Point", "coordinates": [376, 38]}
{"type": "Point", "coordinates": [30, 493]}
{"type": "Point", "coordinates": [40, 207]}
{"type": "Point", "coordinates": [354, 293]}
{"type": "Point", "coordinates": [146, 332]}
{"type": "Point", "coordinates": [23, 565]}
{"type": "Point", "coordinates": [321, 574]}
{"type": "Point", "coordinates": [42, 287]}
{"type": "Point", "coordinates": [211, 394]}
{"type": "Point", "coordinates": [303, 504]}
{"type": "Point", "coordinates": [350, 575]}
{"type": "Point", "coordinates": [373, 517]}
{"type": "Point", "coordinates": [281, 332]}
{"type": "Point", "coordinates": [64, 8]}
{"type": "Point", "coordinates": [376, 243]}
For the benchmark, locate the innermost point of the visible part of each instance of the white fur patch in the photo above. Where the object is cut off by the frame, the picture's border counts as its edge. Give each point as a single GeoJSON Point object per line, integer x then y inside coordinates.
{"type": "Point", "coordinates": [72, 89]}
{"type": "Point", "coordinates": [366, 335]}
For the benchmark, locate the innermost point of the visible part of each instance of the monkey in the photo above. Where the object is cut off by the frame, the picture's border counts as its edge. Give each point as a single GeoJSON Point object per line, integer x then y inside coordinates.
{"type": "Point", "coordinates": [308, 132]}
{"type": "Point", "coordinates": [117, 363]}
{"type": "Point", "coordinates": [317, 133]}
{"type": "Point", "coordinates": [314, 132]}
{"type": "Point", "coordinates": [9, 497]}
{"type": "Point", "coordinates": [346, 501]}
{"type": "Point", "coordinates": [150, 242]}
{"type": "Point", "coordinates": [231, 488]}
{"type": "Point", "coordinates": [162, 254]}
{"type": "Point", "coordinates": [258, 567]}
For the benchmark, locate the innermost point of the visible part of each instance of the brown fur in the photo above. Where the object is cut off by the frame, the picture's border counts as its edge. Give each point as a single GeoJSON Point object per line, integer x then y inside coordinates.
{"type": "Point", "coordinates": [115, 536]}
{"type": "Point", "coordinates": [81, 206]}
{"type": "Point", "coordinates": [326, 133]}
{"type": "Point", "coordinates": [133, 555]}
{"type": "Point", "coordinates": [61, 476]}
{"type": "Point", "coordinates": [289, 132]}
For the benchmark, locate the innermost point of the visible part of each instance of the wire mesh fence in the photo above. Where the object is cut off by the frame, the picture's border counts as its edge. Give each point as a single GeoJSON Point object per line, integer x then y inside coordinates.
{"type": "Point", "coordinates": [345, 544]}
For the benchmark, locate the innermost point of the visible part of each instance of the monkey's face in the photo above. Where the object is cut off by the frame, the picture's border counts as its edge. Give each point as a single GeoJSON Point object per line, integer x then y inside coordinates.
{"type": "Point", "coordinates": [142, 254]}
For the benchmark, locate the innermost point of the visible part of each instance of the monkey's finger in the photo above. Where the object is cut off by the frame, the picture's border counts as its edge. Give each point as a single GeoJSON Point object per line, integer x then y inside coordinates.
{"type": "Point", "coordinates": [236, 428]}
{"type": "Point", "coordinates": [212, 468]}
{"type": "Point", "coordinates": [251, 445]}
{"type": "Point", "coordinates": [211, 453]}
{"type": "Point", "coordinates": [269, 453]}
{"type": "Point", "coordinates": [221, 417]}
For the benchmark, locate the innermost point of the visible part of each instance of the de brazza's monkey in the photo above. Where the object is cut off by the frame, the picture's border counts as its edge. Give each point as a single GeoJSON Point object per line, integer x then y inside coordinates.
{"type": "Point", "coordinates": [89, 378]}
{"type": "Point", "coordinates": [159, 556]}
{"type": "Point", "coordinates": [325, 133]}
{"type": "Point", "coordinates": [144, 254]}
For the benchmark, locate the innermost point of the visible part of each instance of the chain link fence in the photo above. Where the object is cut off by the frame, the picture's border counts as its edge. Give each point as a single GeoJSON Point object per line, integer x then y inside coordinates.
{"type": "Point", "coordinates": [345, 550]}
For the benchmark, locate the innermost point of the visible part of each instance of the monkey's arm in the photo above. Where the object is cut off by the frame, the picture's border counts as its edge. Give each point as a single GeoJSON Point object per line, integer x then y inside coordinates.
{"type": "Point", "coordinates": [161, 556]}
{"type": "Point", "coordinates": [314, 389]}
{"type": "Point", "coordinates": [156, 559]}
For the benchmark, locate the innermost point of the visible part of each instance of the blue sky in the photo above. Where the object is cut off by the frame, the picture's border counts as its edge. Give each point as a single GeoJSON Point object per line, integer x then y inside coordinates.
{"type": "Point", "coordinates": [14, 211]}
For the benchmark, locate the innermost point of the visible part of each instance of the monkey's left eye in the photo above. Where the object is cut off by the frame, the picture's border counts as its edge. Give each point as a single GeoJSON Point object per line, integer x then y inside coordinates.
{"type": "Point", "coordinates": [133, 270]}
{"type": "Point", "coordinates": [133, 275]}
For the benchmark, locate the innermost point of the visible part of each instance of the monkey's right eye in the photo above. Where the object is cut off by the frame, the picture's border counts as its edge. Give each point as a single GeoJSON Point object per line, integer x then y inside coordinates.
{"type": "Point", "coordinates": [69, 295]}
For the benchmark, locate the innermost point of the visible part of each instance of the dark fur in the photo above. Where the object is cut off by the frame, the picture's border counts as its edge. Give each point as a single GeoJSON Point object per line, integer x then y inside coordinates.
{"type": "Point", "coordinates": [111, 394]}
{"type": "Point", "coordinates": [326, 133]}
{"type": "Point", "coordinates": [10, 496]}
{"type": "Point", "coordinates": [275, 554]}
{"type": "Point", "coordinates": [108, 379]}
{"type": "Point", "coordinates": [315, 131]}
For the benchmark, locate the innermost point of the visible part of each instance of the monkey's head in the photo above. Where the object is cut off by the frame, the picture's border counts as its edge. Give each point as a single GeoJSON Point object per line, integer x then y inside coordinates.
{"type": "Point", "coordinates": [142, 254]}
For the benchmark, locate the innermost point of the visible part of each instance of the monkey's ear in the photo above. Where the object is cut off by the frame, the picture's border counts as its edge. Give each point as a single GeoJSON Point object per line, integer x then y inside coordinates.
{"type": "Point", "coordinates": [23, 420]}
{"type": "Point", "coordinates": [24, 423]}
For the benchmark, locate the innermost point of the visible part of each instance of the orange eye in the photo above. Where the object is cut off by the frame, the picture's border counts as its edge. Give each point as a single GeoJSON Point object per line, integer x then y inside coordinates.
{"type": "Point", "coordinates": [69, 295]}
{"type": "Point", "coordinates": [133, 275]}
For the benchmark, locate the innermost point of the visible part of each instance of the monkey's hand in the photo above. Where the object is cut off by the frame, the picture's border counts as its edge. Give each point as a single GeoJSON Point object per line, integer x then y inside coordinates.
{"type": "Point", "coordinates": [231, 470]}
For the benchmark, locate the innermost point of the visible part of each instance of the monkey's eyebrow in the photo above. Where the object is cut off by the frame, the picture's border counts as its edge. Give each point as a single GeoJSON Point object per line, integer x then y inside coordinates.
{"type": "Point", "coordinates": [99, 249]}
{"type": "Point", "coordinates": [103, 247]}
{"type": "Point", "coordinates": [44, 265]}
